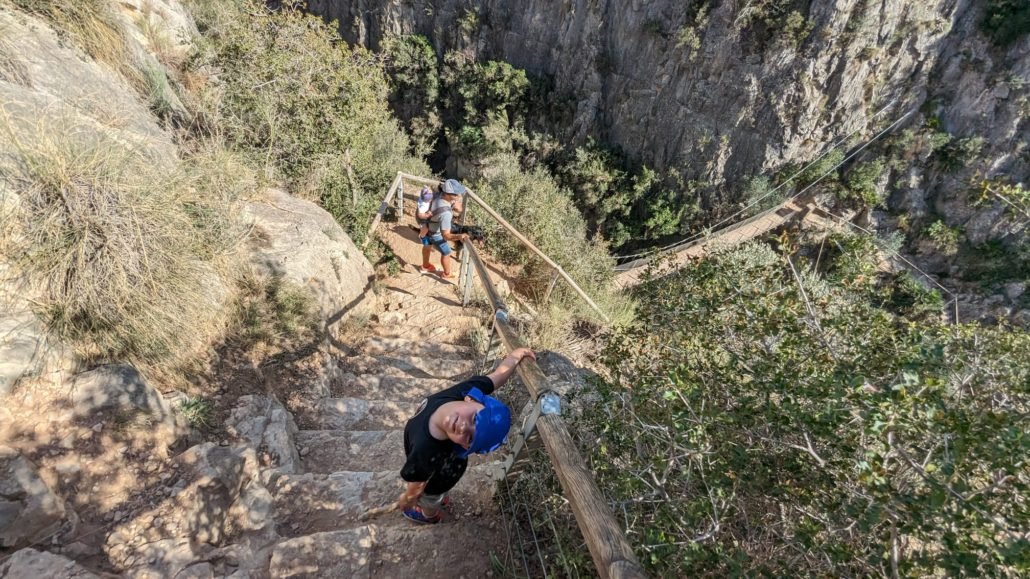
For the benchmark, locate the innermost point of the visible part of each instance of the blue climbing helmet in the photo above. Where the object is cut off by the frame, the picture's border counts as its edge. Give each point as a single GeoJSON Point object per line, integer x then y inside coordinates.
{"type": "Point", "coordinates": [492, 424]}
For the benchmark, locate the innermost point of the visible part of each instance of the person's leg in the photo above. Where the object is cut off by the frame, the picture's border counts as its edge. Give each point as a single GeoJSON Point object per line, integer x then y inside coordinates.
{"type": "Point", "coordinates": [445, 255]}
{"type": "Point", "coordinates": [443, 481]}
{"type": "Point", "coordinates": [425, 254]}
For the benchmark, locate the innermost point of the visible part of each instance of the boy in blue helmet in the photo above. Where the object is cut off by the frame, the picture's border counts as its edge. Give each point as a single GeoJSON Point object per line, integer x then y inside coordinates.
{"type": "Point", "coordinates": [449, 426]}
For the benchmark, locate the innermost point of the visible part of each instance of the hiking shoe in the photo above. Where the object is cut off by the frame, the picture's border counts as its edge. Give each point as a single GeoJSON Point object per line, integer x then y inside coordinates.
{"type": "Point", "coordinates": [427, 269]}
{"type": "Point", "coordinates": [416, 514]}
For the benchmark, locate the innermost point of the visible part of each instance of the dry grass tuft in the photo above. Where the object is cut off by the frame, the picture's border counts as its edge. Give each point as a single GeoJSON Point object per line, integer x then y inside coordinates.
{"type": "Point", "coordinates": [125, 253]}
{"type": "Point", "coordinates": [92, 25]}
{"type": "Point", "coordinates": [11, 68]}
{"type": "Point", "coordinates": [160, 39]}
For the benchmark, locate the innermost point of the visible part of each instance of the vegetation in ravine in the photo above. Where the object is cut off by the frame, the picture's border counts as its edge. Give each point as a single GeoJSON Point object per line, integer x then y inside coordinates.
{"type": "Point", "coordinates": [763, 419]}
{"type": "Point", "coordinates": [307, 108]}
{"type": "Point", "coordinates": [1006, 21]}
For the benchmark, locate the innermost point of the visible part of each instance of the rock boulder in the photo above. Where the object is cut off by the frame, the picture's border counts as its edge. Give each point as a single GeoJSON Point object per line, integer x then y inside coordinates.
{"type": "Point", "coordinates": [302, 243]}
{"type": "Point", "coordinates": [29, 510]}
{"type": "Point", "coordinates": [32, 563]}
{"type": "Point", "coordinates": [264, 422]}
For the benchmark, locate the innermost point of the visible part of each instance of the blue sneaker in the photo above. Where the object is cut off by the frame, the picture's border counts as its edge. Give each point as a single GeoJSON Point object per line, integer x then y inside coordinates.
{"type": "Point", "coordinates": [416, 514]}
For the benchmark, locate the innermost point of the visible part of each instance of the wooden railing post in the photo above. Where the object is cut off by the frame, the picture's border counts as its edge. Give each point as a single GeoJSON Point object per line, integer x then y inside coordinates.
{"type": "Point", "coordinates": [550, 287]}
{"type": "Point", "coordinates": [612, 554]}
{"type": "Point", "coordinates": [382, 209]}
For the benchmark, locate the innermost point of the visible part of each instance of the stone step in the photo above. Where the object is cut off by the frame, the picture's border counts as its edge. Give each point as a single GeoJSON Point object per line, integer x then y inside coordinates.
{"type": "Point", "coordinates": [329, 451]}
{"type": "Point", "coordinates": [312, 503]}
{"type": "Point", "coordinates": [440, 328]}
{"type": "Point", "coordinates": [348, 413]}
{"type": "Point", "coordinates": [388, 387]}
{"type": "Point", "coordinates": [412, 366]}
{"type": "Point", "coordinates": [386, 551]}
{"type": "Point", "coordinates": [376, 345]}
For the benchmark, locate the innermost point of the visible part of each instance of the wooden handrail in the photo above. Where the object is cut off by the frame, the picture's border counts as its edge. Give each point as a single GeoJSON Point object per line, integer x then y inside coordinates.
{"type": "Point", "coordinates": [382, 209]}
{"type": "Point", "coordinates": [525, 241]}
{"type": "Point", "coordinates": [612, 554]}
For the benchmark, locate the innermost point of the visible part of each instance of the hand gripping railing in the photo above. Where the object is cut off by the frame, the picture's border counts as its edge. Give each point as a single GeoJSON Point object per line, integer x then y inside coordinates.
{"type": "Point", "coordinates": [611, 552]}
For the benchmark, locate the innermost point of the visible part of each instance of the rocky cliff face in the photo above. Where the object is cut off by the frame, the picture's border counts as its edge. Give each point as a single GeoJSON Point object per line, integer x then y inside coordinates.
{"type": "Point", "coordinates": [722, 90]}
{"type": "Point", "coordinates": [712, 88]}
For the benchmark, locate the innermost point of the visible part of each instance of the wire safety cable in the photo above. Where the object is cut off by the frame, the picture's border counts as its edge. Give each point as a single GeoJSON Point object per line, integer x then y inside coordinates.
{"type": "Point", "coordinates": [838, 165]}
{"type": "Point", "coordinates": [769, 194]}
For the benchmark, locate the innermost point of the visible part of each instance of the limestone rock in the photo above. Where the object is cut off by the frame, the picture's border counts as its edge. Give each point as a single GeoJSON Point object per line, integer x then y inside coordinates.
{"type": "Point", "coordinates": [119, 387]}
{"type": "Point", "coordinates": [219, 500]}
{"type": "Point", "coordinates": [29, 510]}
{"type": "Point", "coordinates": [263, 421]}
{"type": "Point", "coordinates": [1014, 290]}
{"type": "Point", "coordinates": [32, 563]}
{"type": "Point", "coordinates": [219, 473]}
{"type": "Point", "coordinates": [330, 554]}
{"type": "Point", "coordinates": [56, 88]}
{"type": "Point", "coordinates": [21, 340]}
{"type": "Point", "coordinates": [301, 242]}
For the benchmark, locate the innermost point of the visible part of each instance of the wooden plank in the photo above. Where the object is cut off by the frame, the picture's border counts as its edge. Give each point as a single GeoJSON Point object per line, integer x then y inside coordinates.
{"type": "Point", "coordinates": [382, 210]}
{"type": "Point", "coordinates": [612, 554]}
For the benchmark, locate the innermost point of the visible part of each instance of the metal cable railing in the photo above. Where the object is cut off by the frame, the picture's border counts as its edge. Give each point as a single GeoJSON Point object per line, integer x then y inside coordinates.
{"type": "Point", "coordinates": [642, 259]}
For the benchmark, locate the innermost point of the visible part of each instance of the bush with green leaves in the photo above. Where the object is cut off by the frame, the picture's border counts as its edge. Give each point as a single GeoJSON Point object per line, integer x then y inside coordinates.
{"type": "Point", "coordinates": [474, 92]}
{"type": "Point", "coordinates": [535, 205]}
{"type": "Point", "coordinates": [1006, 21]}
{"type": "Point", "coordinates": [944, 237]}
{"type": "Point", "coordinates": [752, 428]}
{"type": "Point", "coordinates": [776, 22]}
{"type": "Point", "coordinates": [414, 87]}
{"type": "Point", "coordinates": [959, 153]}
{"type": "Point", "coordinates": [861, 183]}
{"type": "Point", "coordinates": [304, 105]}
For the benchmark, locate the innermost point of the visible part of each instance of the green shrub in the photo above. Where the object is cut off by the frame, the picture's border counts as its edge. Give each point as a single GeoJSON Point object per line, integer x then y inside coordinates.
{"type": "Point", "coordinates": [197, 411]}
{"type": "Point", "coordinates": [750, 430]}
{"type": "Point", "coordinates": [475, 92]}
{"type": "Point", "coordinates": [944, 238]}
{"type": "Point", "coordinates": [1005, 21]}
{"type": "Point", "coordinates": [912, 299]}
{"type": "Point", "coordinates": [758, 190]}
{"type": "Point", "coordinates": [861, 184]}
{"type": "Point", "coordinates": [295, 99]}
{"type": "Point", "coordinates": [776, 22]}
{"type": "Point", "coordinates": [689, 35]}
{"type": "Point", "coordinates": [414, 87]}
{"type": "Point", "coordinates": [535, 205]}
{"type": "Point", "coordinates": [956, 154]}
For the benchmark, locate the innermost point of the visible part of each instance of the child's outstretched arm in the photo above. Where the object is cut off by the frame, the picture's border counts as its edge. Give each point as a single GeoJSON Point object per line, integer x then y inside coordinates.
{"type": "Point", "coordinates": [507, 366]}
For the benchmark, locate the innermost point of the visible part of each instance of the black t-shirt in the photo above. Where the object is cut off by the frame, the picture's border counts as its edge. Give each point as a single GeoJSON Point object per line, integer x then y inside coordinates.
{"type": "Point", "coordinates": [427, 455]}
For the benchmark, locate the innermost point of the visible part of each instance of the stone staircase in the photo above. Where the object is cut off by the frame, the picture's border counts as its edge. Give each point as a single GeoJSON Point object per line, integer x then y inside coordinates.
{"type": "Point", "coordinates": [352, 457]}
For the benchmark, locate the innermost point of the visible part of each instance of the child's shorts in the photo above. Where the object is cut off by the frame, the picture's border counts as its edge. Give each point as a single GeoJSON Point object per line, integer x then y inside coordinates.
{"type": "Point", "coordinates": [437, 240]}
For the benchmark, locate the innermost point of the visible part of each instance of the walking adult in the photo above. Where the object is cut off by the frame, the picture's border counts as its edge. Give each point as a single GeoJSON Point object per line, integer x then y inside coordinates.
{"type": "Point", "coordinates": [442, 211]}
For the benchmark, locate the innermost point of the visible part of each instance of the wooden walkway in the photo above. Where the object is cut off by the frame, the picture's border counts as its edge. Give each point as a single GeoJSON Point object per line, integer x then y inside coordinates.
{"type": "Point", "coordinates": [632, 273]}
